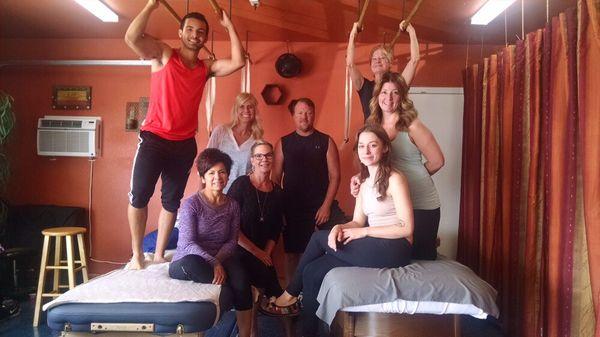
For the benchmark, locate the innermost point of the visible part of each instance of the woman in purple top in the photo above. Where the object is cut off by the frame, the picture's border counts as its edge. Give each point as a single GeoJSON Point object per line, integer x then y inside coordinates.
{"type": "Point", "coordinates": [208, 235]}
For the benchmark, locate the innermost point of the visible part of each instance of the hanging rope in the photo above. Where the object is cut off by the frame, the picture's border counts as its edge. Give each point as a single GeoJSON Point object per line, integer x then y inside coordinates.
{"type": "Point", "coordinates": [362, 15]}
{"type": "Point", "coordinates": [215, 6]}
{"type": "Point", "coordinates": [406, 23]}
{"type": "Point", "coordinates": [505, 30]}
{"type": "Point", "coordinates": [348, 82]}
{"type": "Point", "coordinates": [481, 50]}
{"type": "Point", "coordinates": [211, 93]}
{"type": "Point", "coordinates": [171, 10]}
{"type": "Point", "coordinates": [246, 72]}
{"type": "Point", "coordinates": [523, 19]}
{"type": "Point", "coordinates": [547, 11]}
{"type": "Point", "coordinates": [348, 106]}
{"type": "Point", "coordinates": [467, 58]}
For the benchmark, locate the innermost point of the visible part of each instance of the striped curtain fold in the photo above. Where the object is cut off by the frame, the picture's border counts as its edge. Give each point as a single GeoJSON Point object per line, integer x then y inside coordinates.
{"type": "Point", "coordinates": [588, 53]}
{"type": "Point", "coordinates": [530, 190]}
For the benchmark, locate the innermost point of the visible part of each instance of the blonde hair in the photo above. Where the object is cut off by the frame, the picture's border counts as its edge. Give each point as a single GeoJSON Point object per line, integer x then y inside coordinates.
{"type": "Point", "coordinates": [256, 127]}
{"type": "Point", "coordinates": [406, 110]}
{"type": "Point", "coordinates": [260, 143]}
{"type": "Point", "coordinates": [386, 52]}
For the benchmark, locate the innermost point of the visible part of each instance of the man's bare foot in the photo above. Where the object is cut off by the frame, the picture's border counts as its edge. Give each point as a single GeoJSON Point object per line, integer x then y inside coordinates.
{"type": "Point", "coordinates": [137, 262]}
{"type": "Point", "coordinates": [285, 300]}
{"type": "Point", "coordinates": [159, 259]}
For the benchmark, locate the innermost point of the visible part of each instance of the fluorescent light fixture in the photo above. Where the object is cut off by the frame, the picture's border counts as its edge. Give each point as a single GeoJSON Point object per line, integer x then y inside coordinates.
{"type": "Point", "coordinates": [490, 11]}
{"type": "Point", "coordinates": [99, 9]}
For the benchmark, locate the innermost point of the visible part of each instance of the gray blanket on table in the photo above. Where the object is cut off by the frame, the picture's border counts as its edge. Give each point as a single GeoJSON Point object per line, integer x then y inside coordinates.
{"type": "Point", "coordinates": [442, 280]}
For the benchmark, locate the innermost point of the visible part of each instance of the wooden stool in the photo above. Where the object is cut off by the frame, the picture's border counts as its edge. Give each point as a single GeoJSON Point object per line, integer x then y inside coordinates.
{"type": "Point", "coordinates": [68, 264]}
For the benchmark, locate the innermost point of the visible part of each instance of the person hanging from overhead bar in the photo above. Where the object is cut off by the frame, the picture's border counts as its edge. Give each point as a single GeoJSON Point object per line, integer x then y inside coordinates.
{"type": "Point", "coordinates": [167, 145]}
{"type": "Point", "coordinates": [381, 61]}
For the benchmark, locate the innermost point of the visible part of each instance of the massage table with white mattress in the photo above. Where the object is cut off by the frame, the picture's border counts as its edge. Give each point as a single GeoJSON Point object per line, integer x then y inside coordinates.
{"type": "Point", "coordinates": [425, 298]}
{"type": "Point", "coordinates": [127, 302]}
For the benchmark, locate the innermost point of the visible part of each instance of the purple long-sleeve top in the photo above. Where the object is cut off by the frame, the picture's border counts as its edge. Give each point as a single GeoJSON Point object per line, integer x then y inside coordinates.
{"type": "Point", "coordinates": [207, 230]}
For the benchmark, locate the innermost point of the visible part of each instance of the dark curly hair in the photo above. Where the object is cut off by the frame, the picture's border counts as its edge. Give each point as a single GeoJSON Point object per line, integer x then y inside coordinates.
{"type": "Point", "coordinates": [211, 157]}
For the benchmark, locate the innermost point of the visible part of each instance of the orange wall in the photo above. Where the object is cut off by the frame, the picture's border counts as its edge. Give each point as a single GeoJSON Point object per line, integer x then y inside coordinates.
{"type": "Point", "coordinates": [65, 181]}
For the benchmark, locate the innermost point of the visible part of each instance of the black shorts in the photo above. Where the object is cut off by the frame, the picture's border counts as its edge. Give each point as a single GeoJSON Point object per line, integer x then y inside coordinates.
{"type": "Point", "coordinates": [171, 160]}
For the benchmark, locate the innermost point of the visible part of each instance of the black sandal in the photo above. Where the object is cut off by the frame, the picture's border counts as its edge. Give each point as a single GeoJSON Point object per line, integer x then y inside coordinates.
{"type": "Point", "coordinates": [269, 308]}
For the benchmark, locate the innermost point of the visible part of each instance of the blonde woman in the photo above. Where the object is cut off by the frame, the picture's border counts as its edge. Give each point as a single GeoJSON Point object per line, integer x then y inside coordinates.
{"type": "Point", "coordinates": [381, 62]}
{"type": "Point", "coordinates": [237, 137]}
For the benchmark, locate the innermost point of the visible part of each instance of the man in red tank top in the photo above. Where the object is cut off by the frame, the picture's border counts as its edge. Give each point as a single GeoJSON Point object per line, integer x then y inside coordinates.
{"type": "Point", "coordinates": [167, 146]}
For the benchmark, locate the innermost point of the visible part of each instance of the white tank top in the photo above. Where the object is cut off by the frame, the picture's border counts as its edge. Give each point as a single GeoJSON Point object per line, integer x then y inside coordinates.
{"type": "Point", "coordinates": [379, 213]}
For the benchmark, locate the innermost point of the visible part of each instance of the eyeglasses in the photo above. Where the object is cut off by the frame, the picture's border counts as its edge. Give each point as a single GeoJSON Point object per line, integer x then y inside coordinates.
{"type": "Point", "coordinates": [263, 156]}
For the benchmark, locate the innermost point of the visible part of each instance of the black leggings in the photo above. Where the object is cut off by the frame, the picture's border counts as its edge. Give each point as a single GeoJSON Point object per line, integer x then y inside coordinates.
{"type": "Point", "coordinates": [260, 275]}
{"type": "Point", "coordinates": [195, 268]}
{"type": "Point", "coordinates": [318, 259]}
{"type": "Point", "coordinates": [427, 222]}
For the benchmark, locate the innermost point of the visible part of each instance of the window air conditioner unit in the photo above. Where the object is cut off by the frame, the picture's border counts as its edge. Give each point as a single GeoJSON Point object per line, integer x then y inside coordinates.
{"type": "Point", "coordinates": [68, 136]}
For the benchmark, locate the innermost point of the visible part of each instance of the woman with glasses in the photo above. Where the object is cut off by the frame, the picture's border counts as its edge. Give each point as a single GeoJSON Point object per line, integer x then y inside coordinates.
{"type": "Point", "coordinates": [237, 137]}
{"type": "Point", "coordinates": [381, 62]}
{"type": "Point", "coordinates": [260, 219]}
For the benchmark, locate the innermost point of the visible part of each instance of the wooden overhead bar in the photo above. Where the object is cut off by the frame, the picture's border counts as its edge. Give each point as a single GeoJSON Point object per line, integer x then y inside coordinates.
{"type": "Point", "coordinates": [216, 8]}
{"type": "Point", "coordinates": [171, 10]}
{"type": "Point", "coordinates": [362, 15]}
{"type": "Point", "coordinates": [406, 23]}
{"type": "Point", "coordinates": [178, 18]}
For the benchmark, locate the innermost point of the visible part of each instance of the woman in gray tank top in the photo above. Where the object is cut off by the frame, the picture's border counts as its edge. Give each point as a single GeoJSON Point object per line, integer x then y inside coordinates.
{"type": "Point", "coordinates": [411, 140]}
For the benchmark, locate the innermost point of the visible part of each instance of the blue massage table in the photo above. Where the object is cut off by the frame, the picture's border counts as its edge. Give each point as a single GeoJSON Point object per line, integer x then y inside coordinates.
{"type": "Point", "coordinates": [157, 305]}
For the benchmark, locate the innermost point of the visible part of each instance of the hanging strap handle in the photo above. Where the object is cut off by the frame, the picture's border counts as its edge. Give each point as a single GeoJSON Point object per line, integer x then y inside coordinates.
{"type": "Point", "coordinates": [348, 105]}
{"type": "Point", "coordinates": [211, 93]}
{"type": "Point", "coordinates": [406, 23]}
{"type": "Point", "coordinates": [362, 15]}
{"type": "Point", "coordinates": [215, 6]}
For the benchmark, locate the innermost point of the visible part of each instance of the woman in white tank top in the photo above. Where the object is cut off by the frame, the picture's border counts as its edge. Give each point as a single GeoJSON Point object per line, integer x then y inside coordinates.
{"type": "Point", "coordinates": [384, 200]}
{"type": "Point", "coordinates": [411, 141]}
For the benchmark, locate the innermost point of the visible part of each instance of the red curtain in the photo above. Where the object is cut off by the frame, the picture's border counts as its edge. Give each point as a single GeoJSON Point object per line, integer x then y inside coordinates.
{"type": "Point", "coordinates": [537, 106]}
{"type": "Point", "coordinates": [589, 137]}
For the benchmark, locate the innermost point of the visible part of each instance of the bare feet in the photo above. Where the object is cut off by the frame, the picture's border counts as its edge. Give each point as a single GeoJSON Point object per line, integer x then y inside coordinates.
{"type": "Point", "coordinates": [137, 262]}
{"type": "Point", "coordinates": [159, 259]}
{"type": "Point", "coordinates": [285, 300]}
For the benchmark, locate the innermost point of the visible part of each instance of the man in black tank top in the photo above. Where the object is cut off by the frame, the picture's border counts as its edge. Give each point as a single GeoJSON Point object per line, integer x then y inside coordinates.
{"type": "Point", "coordinates": [307, 166]}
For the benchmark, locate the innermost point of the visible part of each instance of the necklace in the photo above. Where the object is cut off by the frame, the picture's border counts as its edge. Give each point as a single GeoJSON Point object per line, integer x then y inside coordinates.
{"type": "Point", "coordinates": [261, 207]}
